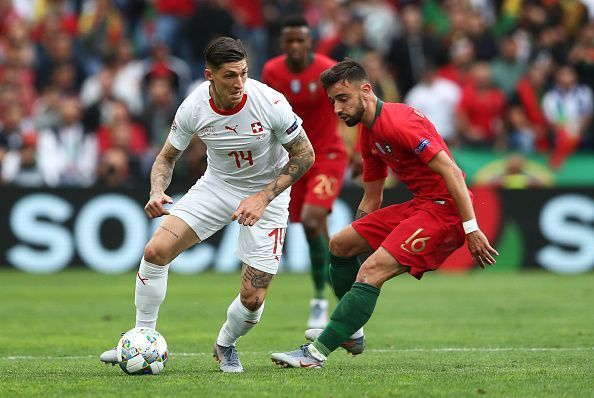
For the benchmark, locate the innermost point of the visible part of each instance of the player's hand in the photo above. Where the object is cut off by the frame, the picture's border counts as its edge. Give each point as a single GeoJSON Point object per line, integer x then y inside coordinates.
{"type": "Point", "coordinates": [154, 208]}
{"type": "Point", "coordinates": [481, 250]}
{"type": "Point", "coordinates": [251, 209]}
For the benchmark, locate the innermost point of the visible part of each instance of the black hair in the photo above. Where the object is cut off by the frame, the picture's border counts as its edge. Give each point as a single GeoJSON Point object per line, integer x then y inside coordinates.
{"type": "Point", "coordinates": [294, 21]}
{"type": "Point", "coordinates": [347, 71]}
{"type": "Point", "coordinates": [223, 50]}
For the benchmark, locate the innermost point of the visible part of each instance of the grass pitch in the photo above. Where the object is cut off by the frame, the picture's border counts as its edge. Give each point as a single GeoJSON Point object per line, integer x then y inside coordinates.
{"type": "Point", "coordinates": [484, 333]}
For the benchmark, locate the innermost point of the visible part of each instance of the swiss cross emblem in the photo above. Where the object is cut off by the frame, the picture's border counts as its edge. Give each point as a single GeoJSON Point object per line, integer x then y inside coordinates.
{"type": "Point", "coordinates": [257, 127]}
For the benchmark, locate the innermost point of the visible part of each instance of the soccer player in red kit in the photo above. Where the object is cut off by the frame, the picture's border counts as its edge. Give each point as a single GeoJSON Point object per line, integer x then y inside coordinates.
{"type": "Point", "coordinates": [413, 237]}
{"type": "Point", "coordinates": [296, 74]}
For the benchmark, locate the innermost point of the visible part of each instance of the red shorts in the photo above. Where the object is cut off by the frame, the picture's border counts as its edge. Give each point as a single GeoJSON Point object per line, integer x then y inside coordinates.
{"type": "Point", "coordinates": [320, 186]}
{"type": "Point", "coordinates": [418, 233]}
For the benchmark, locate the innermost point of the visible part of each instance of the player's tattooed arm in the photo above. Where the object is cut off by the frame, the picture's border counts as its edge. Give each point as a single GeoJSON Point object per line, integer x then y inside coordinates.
{"type": "Point", "coordinates": [161, 174]}
{"type": "Point", "coordinates": [301, 159]}
{"type": "Point", "coordinates": [162, 170]}
{"type": "Point", "coordinates": [360, 214]}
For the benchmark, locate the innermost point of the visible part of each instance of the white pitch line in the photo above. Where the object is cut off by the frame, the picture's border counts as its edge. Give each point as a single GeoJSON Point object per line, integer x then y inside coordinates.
{"type": "Point", "coordinates": [377, 350]}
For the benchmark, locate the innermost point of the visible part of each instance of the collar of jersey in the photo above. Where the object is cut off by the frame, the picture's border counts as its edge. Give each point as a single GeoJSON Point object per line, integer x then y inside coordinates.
{"type": "Point", "coordinates": [378, 109]}
{"type": "Point", "coordinates": [227, 112]}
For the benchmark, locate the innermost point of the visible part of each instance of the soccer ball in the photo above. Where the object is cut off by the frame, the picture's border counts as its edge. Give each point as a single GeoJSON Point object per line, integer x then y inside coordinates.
{"type": "Point", "coordinates": [142, 351]}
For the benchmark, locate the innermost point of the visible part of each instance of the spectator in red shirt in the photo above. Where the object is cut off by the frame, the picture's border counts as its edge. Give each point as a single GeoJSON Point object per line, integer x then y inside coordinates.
{"type": "Point", "coordinates": [481, 110]}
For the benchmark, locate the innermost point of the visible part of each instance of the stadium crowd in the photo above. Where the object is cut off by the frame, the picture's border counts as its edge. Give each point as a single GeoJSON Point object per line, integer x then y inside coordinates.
{"type": "Point", "coordinates": [88, 88]}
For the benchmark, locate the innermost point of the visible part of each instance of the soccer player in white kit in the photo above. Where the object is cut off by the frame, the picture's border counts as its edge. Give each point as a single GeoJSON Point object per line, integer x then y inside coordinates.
{"type": "Point", "coordinates": [249, 130]}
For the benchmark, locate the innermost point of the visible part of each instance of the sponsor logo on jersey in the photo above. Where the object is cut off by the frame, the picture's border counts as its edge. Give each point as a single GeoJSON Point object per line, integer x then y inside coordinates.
{"type": "Point", "coordinates": [422, 145]}
{"type": "Point", "coordinates": [383, 148]}
{"type": "Point", "coordinates": [173, 126]}
{"type": "Point", "coordinates": [234, 129]}
{"type": "Point", "coordinates": [208, 130]}
{"type": "Point", "coordinates": [257, 127]}
{"type": "Point", "coordinates": [293, 127]}
{"type": "Point", "coordinates": [313, 86]}
{"type": "Point", "coordinates": [418, 112]}
{"type": "Point", "coordinates": [295, 86]}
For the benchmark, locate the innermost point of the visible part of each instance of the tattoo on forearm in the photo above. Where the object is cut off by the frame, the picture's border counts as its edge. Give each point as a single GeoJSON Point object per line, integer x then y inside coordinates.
{"type": "Point", "coordinates": [257, 279]}
{"type": "Point", "coordinates": [302, 157]}
{"type": "Point", "coordinates": [360, 213]}
{"type": "Point", "coordinates": [170, 231]}
{"type": "Point", "coordinates": [162, 170]}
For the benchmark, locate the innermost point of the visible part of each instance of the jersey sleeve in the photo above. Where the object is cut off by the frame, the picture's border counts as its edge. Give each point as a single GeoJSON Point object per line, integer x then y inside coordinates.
{"type": "Point", "coordinates": [420, 137]}
{"type": "Point", "coordinates": [285, 123]}
{"type": "Point", "coordinates": [181, 133]}
{"type": "Point", "coordinates": [373, 168]}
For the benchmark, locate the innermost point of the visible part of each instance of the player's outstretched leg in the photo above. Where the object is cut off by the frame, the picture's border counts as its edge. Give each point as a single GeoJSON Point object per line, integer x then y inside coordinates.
{"type": "Point", "coordinates": [354, 345]}
{"type": "Point", "coordinates": [307, 356]}
{"type": "Point", "coordinates": [352, 312]}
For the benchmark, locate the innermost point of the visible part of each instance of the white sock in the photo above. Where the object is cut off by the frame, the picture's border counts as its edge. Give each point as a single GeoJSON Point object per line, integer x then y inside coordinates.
{"type": "Point", "coordinates": [357, 334]}
{"type": "Point", "coordinates": [239, 322]}
{"type": "Point", "coordinates": [151, 286]}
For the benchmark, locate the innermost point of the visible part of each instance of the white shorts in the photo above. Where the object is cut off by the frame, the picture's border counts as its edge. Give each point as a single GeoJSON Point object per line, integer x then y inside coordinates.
{"type": "Point", "coordinates": [208, 206]}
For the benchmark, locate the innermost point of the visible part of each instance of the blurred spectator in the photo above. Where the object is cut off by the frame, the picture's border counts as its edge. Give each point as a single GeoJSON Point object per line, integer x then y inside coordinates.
{"type": "Point", "coordinates": [161, 64]}
{"type": "Point", "coordinates": [250, 28]}
{"type": "Point", "coordinates": [68, 153]}
{"type": "Point", "coordinates": [20, 167]}
{"type": "Point", "coordinates": [46, 109]}
{"type": "Point", "coordinates": [127, 81]}
{"type": "Point", "coordinates": [352, 41]}
{"type": "Point", "coordinates": [481, 37]}
{"type": "Point", "coordinates": [384, 84]}
{"type": "Point", "coordinates": [211, 19]}
{"type": "Point", "coordinates": [13, 124]}
{"type": "Point", "coordinates": [528, 125]}
{"type": "Point", "coordinates": [481, 110]}
{"type": "Point", "coordinates": [461, 55]}
{"type": "Point", "coordinates": [409, 52]}
{"type": "Point", "coordinates": [56, 50]}
{"type": "Point", "coordinates": [159, 111]}
{"type": "Point", "coordinates": [438, 99]}
{"type": "Point", "coordinates": [118, 131]}
{"type": "Point", "coordinates": [507, 67]}
{"type": "Point", "coordinates": [113, 170]}
{"type": "Point", "coordinates": [568, 107]}
{"type": "Point", "coordinates": [101, 27]}
{"type": "Point", "coordinates": [380, 22]}
{"type": "Point", "coordinates": [169, 18]}
{"type": "Point", "coordinates": [581, 55]}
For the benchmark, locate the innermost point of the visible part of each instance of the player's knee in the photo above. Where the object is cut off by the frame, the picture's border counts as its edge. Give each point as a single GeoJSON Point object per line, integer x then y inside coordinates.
{"type": "Point", "coordinates": [155, 254]}
{"type": "Point", "coordinates": [339, 247]}
{"type": "Point", "coordinates": [250, 300]}
{"type": "Point", "coordinates": [312, 226]}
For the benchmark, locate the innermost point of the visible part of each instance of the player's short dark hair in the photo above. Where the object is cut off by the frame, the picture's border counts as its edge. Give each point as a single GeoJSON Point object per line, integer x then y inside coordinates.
{"type": "Point", "coordinates": [294, 21]}
{"type": "Point", "coordinates": [344, 71]}
{"type": "Point", "coordinates": [223, 50]}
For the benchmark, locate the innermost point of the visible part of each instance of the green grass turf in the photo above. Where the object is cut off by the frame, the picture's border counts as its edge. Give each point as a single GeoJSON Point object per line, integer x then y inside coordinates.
{"type": "Point", "coordinates": [484, 333]}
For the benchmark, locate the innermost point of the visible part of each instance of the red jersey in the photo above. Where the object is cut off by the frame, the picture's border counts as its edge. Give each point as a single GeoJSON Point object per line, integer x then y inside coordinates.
{"type": "Point", "coordinates": [404, 140]}
{"type": "Point", "coordinates": [309, 100]}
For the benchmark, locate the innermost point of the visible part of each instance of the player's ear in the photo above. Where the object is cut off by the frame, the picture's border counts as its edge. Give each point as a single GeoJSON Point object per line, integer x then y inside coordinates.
{"type": "Point", "coordinates": [366, 90]}
{"type": "Point", "coordinates": [208, 75]}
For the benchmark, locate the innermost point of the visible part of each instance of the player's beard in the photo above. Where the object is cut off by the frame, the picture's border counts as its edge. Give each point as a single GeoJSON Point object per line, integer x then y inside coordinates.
{"type": "Point", "coordinates": [356, 118]}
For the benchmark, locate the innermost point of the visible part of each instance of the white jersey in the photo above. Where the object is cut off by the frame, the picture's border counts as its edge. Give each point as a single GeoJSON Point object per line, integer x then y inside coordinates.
{"type": "Point", "coordinates": [244, 145]}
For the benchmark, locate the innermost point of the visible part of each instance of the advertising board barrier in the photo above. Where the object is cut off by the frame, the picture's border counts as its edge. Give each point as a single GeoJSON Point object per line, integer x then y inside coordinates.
{"type": "Point", "coordinates": [44, 231]}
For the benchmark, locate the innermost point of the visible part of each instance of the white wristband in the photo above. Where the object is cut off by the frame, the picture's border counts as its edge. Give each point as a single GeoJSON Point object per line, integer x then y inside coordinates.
{"type": "Point", "coordinates": [470, 226]}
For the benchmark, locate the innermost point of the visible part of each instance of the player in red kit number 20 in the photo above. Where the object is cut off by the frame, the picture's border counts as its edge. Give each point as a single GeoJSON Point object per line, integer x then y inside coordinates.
{"type": "Point", "coordinates": [296, 74]}
{"type": "Point", "coordinates": [412, 237]}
